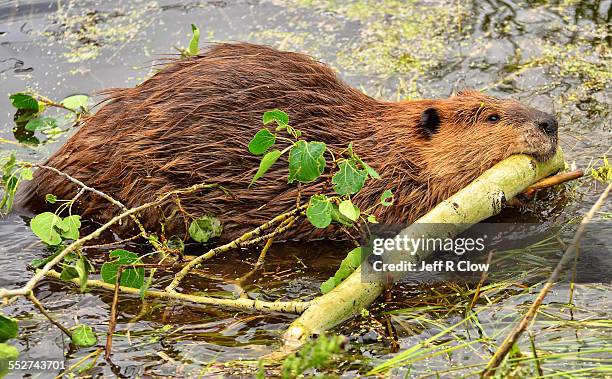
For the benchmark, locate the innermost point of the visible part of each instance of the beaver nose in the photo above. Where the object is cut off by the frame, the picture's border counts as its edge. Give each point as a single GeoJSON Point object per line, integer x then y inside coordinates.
{"type": "Point", "coordinates": [547, 123]}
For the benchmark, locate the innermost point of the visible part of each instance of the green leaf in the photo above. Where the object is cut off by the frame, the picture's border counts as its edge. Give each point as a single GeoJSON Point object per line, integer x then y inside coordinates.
{"type": "Point", "coordinates": [371, 172]}
{"type": "Point", "coordinates": [266, 162]}
{"type": "Point", "coordinates": [319, 211]}
{"type": "Point", "coordinates": [76, 103]}
{"type": "Point", "coordinates": [7, 353]}
{"type": "Point", "coordinates": [22, 100]}
{"type": "Point", "coordinates": [261, 142]}
{"type": "Point", "coordinates": [204, 228]}
{"type": "Point", "coordinates": [386, 199]}
{"type": "Point", "coordinates": [349, 179]}
{"type": "Point", "coordinates": [372, 219]}
{"type": "Point", "coordinates": [83, 268]}
{"type": "Point", "coordinates": [349, 210]}
{"type": "Point", "coordinates": [43, 225]}
{"type": "Point", "coordinates": [147, 284]}
{"type": "Point", "coordinates": [339, 217]}
{"type": "Point", "coordinates": [328, 285]}
{"type": "Point", "coordinates": [348, 265]}
{"type": "Point", "coordinates": [70, 227]}
{"type": "Point", "coordinates": [41, 123]}
{"type": "Point", "coordinates": [343, 271]}
{"type": "Point", "coordinates": [10, 187]}
{"type": "Point", "coordinates": [69, 273]}
{"type": "Point", "coordinates": [83, 336]}
{"type": "Point", "coordinates": [8, 328]}
{"type": "Point", "coordinates": [306, 161]}
{"type": "Point", "coordinates": [281, 118]}
{"type": "Point", "coordinates": [26, 174]}
{"type": "Point", "coordinates": [354, 258]}
{"type": "Point", "coordinates": [50, 198]}
{"type": "Point", "coordinates": [40, 262]}
{"type": "Point", "coordinates": [130, 277]}
{"type": "Point", "coordinates": [194, 48]}
{"type": "Point", "coordinates": [9, 167]}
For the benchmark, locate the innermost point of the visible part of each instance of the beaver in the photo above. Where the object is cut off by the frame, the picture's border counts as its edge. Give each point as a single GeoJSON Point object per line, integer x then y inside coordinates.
{"type": "Point", "coordinates": [192, 121]}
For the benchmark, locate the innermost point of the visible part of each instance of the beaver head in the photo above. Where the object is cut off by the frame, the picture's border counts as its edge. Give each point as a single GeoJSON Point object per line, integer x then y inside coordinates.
{"type": "Point", "coordinates": [435, 147]}
{"type": "Point", "coordinates": [501, 127]}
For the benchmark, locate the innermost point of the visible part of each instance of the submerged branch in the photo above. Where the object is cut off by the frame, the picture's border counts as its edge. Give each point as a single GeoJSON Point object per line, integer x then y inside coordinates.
{"type": "Point", "coordinates": [295, 307]}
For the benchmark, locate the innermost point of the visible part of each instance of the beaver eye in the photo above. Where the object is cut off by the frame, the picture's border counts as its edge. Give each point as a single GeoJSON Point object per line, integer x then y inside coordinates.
{"type": "Point", "coordinates": [493, 118]}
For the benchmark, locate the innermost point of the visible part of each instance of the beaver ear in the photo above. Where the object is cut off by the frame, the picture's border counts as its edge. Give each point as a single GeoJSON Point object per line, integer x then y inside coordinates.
{"type": "Point", "coordinates": [430, 121]}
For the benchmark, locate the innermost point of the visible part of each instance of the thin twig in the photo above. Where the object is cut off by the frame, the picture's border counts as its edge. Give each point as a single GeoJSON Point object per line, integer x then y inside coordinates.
{"type": "Point", "coordinates": [105, 245]}
{"type": "Point", "coordinates": [44, 312]}
{"type": "Point", "coordinates": [284, 226]}
{"type": "Point", "coordinates": [94, 354]}
{"type": "Point", "coordinates": [112, 322]}
{"type": "Point", "coordinates": [516, 332]}
{"type": "Point", "coordinates": [229, 246]}
{"type": "Point", "coordinates": [553, 181]}
{"type": "Point", "coordinates": [536, 360]}
{"type": "Point", "coordinates": [113, 315]}
{"type": "Point", "coordinates": [29, 286]}
{"type": "Point", "coordinates": [99, 193]}
{"type": "Point", "coordinates": [260, 261]}
{"type": "Point", "coordinates": [483, 277]}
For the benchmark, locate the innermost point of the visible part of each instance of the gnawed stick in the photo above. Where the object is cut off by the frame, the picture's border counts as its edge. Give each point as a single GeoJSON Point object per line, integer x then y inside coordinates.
{"type": "Point", "coordinates": [516, 332]}
{"type": "Point", "coordinates": [479, 200]}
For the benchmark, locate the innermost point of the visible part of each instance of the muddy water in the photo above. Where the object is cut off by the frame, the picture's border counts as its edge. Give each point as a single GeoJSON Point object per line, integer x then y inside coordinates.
{"type": "Point", "coordinates": [554, 55]}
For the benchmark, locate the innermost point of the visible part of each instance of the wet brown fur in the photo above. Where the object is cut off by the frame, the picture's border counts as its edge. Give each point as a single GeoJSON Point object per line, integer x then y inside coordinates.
{"type": "Point", "coordinates": [192, 121]}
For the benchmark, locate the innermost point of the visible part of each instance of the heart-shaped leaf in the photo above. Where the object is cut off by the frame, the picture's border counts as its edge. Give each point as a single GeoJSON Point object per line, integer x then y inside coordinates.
{"type": "Point", "coordinates": [261, 142]}
{"type": "Point", "coordinates": [70, 227]}
{"type": "Point", "coordinates": [83, 336]}
{"type": "Point", "coordinates": [41, 123]}
{"type": "Point", "coordinates": [204, 228]}
{"type": "Point", "coordinates": [349, 210]}
{"type": "Point", "coordinates": [319, 211]}
{"type": "Point", "coordinates": [281, 118]}
{"type": "Point", "coordinates": [43, 225]}
{"type": "Point", "coordinates": [130, 277]}
{"type": "Point", "coordinates": [8, 328]}
{"type": "Point", "coordinates": [22, 100]}
{"type": "Point", "coordinates": [7, 353]}
{"type": "Point", "coordinates": [306, 161]}
{"type": "Point", "coordinates": [76, 103]}
{"type": "Point", "coordinates": [349, 179]}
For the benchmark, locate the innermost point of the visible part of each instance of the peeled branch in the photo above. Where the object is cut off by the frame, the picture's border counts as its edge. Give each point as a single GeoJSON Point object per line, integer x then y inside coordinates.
{"type": "Point", "coordinates": [478, 201]}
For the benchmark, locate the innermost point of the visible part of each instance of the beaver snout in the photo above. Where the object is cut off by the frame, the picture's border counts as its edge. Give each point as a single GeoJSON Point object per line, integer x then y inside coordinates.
{"type": "Point", "coordinates": [547, 123]}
